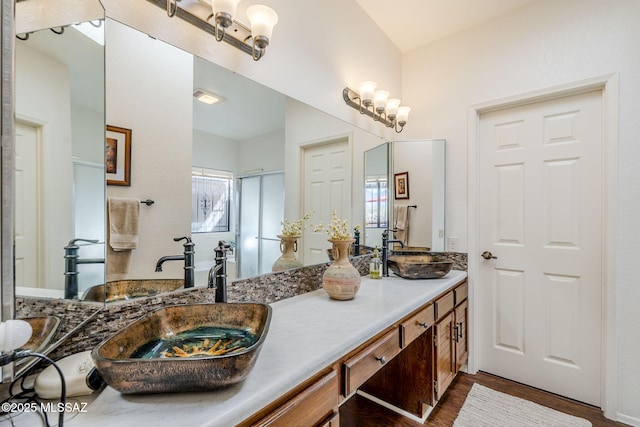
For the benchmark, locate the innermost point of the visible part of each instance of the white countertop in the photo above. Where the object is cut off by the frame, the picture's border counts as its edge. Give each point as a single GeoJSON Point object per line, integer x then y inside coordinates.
{"type": "Point", "coordinates": [307, 333]}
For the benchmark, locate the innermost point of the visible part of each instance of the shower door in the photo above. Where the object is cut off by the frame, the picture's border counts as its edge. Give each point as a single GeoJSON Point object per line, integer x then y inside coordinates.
{"type": "Point", "coordinates": [261, 212]}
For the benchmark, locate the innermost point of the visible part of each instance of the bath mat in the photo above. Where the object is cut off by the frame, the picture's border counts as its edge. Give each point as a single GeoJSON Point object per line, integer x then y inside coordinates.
{"type": "Point", "coordinates": [486, 407]}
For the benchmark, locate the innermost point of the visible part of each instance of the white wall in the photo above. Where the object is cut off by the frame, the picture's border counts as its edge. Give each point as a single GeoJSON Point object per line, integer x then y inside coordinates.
{"type": "Point", "coordinates": [316, 50]}
{"type": "Point", "coordinates": [414, 157]}
{"type": "Point", "coordinates": [43, 100]}
{"type": "Point", "coordinates": [544, 44]}
{"type": "Point", "coordinates": [214, 152]}
{"type": "Point", "coordinates": [265, 152]}
{"type": "Point", "coordinates": [304, 125]}
{"type": "Point", "coordinates": [149, 88]}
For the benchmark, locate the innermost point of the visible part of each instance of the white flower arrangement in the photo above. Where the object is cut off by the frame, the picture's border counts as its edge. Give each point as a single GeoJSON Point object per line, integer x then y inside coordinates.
{"type": "Point", "coordinates": [296, 227]}
{"type": "Point", "coordinates": [338, 229]}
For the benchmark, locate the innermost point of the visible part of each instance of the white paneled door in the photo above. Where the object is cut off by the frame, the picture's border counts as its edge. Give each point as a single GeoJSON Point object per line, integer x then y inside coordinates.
{"type": "Point", "coordinates": [327, 187]}
{"type": "Point", "coordinates": [541, 202]}
{"type": "Point", "coordinates": [26, 216]}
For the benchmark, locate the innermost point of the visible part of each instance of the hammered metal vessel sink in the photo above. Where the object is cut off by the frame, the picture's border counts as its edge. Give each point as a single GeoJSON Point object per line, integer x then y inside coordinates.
{"type": "Point", "coordinates": [419, 266]}
{"type": "Point", "coordinates": [44, 329]}
{"type": "Point", "coordinates": [128, 289]}
{"type": "Point", "coordinates": [192, 347]}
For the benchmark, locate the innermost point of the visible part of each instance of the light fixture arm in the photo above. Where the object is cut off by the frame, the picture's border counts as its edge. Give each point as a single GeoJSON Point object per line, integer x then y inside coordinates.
{"type": "Point", "coordinates": [172, 7]}
{"type": "Point", "coordinates": [245, 45]}
{"type": "Point", "coordinates": [352, 98]}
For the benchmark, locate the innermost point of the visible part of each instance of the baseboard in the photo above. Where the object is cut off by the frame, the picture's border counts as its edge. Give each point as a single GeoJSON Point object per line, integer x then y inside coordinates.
{"type": "Point", "coordinates": [395, 408]}
{"type": "Point", "coordinates": [632, 421]}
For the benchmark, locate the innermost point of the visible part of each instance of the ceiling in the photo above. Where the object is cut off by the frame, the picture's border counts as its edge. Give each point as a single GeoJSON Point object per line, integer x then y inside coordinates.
{"type": "Point", "coordinates": [413, 23]}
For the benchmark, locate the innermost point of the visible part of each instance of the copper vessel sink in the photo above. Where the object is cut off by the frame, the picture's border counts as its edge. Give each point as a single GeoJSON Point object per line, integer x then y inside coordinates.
{"type": "Point", "coordinates": [127, 289]}
{"type": "Point", "coordinates": [191, 347]}
{"type": "Point", "coordinates": [44, 329]}
{"type": "Point", "coordinates": [412, 265]}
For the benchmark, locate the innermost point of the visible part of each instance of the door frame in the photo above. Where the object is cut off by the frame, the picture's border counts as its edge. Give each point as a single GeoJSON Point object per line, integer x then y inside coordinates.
{"type": "Point", "coordinates": [609, 87]}
{"type": "Point", "coordinates": [306, 145]}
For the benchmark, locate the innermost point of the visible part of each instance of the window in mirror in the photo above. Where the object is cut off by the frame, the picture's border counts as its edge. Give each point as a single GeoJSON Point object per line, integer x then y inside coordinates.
{"type": "Point", "coordinates": [211, 201]}
{"type": "Point", "coordinates": [376, 206]}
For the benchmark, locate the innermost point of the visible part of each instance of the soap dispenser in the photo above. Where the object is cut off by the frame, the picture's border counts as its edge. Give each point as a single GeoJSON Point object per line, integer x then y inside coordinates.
{"type": "Point", "coordinates": [375, 268]}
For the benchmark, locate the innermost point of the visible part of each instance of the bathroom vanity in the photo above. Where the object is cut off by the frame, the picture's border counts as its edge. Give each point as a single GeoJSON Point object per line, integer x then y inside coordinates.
{"type": "Point", "coordinates": [401, 341]}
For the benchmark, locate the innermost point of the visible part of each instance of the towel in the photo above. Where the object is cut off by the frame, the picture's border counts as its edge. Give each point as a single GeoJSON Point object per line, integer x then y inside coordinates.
{"type": "Point", "coordinates": [122, 217]}
{"type": "Point", "coordinates": [123, 223]}
{"type": "Point", "coordinates": [401, 223]}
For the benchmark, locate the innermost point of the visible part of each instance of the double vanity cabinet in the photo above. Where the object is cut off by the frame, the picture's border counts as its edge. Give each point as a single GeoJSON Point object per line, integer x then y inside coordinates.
{"type": "Point", "coordinates": [408, 365]}
{"type": "Point", "coordinates": [400, 341]}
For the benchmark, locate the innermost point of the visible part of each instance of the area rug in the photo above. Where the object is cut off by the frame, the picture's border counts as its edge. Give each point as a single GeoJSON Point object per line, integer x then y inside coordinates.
{"type": "Point", "coordinates": [486, 407]}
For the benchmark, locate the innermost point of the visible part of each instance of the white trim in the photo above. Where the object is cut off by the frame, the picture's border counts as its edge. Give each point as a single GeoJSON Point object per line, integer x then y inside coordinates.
{"type": "Point", "coordinates": [328, 140]}
{"type": "Point", "coordinates": [632, 421]}
{"type": "Point", "coordinates": [608, 84]}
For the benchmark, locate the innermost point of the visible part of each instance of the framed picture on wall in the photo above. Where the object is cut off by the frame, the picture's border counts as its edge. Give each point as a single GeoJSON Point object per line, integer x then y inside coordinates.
{"type": "Point", "coordinates": [401, 185]}
{"type": "Point", "coordinates": [117, 157]}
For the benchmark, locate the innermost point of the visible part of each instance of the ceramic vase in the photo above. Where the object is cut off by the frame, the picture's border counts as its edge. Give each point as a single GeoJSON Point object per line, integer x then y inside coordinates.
{"type": "Point", "coordinates": [288, 247]}
{"type": "Point", "coordinates": [341, 280]}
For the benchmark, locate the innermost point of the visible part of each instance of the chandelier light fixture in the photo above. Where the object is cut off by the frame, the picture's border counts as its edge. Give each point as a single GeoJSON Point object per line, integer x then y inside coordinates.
{"type": "Point", "coordinates": [377, 105]}
{"type": "Point", "coordinates": [221, 23]}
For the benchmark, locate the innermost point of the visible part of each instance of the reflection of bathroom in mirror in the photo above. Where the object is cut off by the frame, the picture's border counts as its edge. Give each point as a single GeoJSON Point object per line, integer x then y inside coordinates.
{"type": "Point", "coordinates": [171, 146]}
{"type": "Point", "coordinates": [59, 114]}
{"type": "Point", "coordinates": [419, 218]}
{"type": "Point", "coordinates": [376, 198]}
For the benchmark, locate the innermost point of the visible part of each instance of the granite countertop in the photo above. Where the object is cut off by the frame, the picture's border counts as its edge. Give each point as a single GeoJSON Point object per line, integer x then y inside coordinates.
{"type": "Point", "coordinates": [307, 333]}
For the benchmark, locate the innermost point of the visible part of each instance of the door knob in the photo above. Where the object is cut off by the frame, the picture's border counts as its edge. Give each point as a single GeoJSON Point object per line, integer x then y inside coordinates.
{"type": "Point", "coordinates": [488, 255]}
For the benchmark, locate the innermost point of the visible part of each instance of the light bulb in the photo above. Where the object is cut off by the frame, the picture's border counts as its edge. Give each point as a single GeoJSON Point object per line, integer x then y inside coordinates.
{"type": "Point", "coordinates": [14, 334]}
{"type": "Point", "coordinates": [365, 90]}
{"type": "Point", "coordinates": [380, 100]}
{"type": "Point", "coordinates": [224, 11]}
{"type": "Point", "coordinates": [392, 108]}
{"type": "Point", "coordinates": [403, 115]}
{"type": "Point", "coordinates": [262, 19]}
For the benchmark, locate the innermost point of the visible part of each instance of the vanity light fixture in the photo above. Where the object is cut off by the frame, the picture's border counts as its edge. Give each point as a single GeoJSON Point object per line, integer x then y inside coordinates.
{"type": "Point", "coordinates": [208, 97]}
{"type": "Point", "coordinates": [377, 105]}
{"type": "Point", "coordinates": [222, 25]}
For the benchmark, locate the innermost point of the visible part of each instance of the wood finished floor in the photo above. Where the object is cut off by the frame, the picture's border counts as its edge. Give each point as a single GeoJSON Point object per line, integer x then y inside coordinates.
{"type": "Point", "coordinates": [360, 412]}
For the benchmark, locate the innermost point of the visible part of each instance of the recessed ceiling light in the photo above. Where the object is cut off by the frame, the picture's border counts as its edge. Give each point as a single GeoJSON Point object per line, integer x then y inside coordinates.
{"type": "Point", "coordinates": [207, 97]}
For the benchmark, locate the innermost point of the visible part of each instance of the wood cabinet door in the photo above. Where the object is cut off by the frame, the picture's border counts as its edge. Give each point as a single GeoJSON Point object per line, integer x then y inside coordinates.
{"type": "Point", "coordinates": [406, 382]}
{"type": "Point", "coordinates": [444, 355]}
{"type": "Point", "coordinates": [461, 336]}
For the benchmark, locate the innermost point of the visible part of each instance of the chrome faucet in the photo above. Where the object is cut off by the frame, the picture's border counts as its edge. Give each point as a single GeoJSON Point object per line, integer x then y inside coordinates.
{"type": "Point", "coordinates": [218, 273]}
{"type": "Point", "coordinates": [385, 250]}
{"type": "Point", "coordinates": [189, 261]}
{"type": "Point", "coordinates": [71, 261]}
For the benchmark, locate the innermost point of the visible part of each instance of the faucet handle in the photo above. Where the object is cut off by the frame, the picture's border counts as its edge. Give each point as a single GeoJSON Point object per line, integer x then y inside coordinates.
{"type": "Point", "coordinates": [74, 241]}
{"type": "Point", "coordinates": [187, 238]}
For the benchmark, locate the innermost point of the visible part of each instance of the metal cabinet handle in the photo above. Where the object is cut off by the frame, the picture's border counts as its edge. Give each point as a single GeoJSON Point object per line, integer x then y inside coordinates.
{"type": "Point", "coordinates": [424, 324]}
{"type": "Point", "coordinates": [488, 255]}
{"type": "Point", "coordinates": [381, 359]}
{"type": "Point", "coordinates": [460, 330]}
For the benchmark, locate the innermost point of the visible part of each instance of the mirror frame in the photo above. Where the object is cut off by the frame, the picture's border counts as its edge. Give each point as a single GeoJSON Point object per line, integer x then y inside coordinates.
{"type": "Point", "coordinates": [7, 298]}
{"type": "Point", "coordinates": [8, 162]}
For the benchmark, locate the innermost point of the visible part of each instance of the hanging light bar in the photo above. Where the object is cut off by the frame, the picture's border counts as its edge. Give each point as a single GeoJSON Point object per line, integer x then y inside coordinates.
{"type": "Point", "coordinates": [377, 105]}
{"type": "Point", "coordinates": [221, 23]}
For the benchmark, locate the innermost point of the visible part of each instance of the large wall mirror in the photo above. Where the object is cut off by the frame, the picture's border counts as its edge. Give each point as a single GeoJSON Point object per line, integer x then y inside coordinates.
{"type": "Point", "coordinates": [242, 147]}
{"type": "Point", "coordinates": [405, 191]}
{"type": "Point", "coordinates": [59, 159]}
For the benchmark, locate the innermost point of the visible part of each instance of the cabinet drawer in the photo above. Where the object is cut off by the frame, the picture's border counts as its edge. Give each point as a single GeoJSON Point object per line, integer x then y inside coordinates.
{"type": "Point", "coordinates": [416, 325]}
{"type": "Point", "coordinates": [444, 305]}
{"type": "Point", "coordinates": [367, 362]}
{"type": "Point", "coordinates": [311, 407]}
{"type": "Point", "coordinates": [460, 293]}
